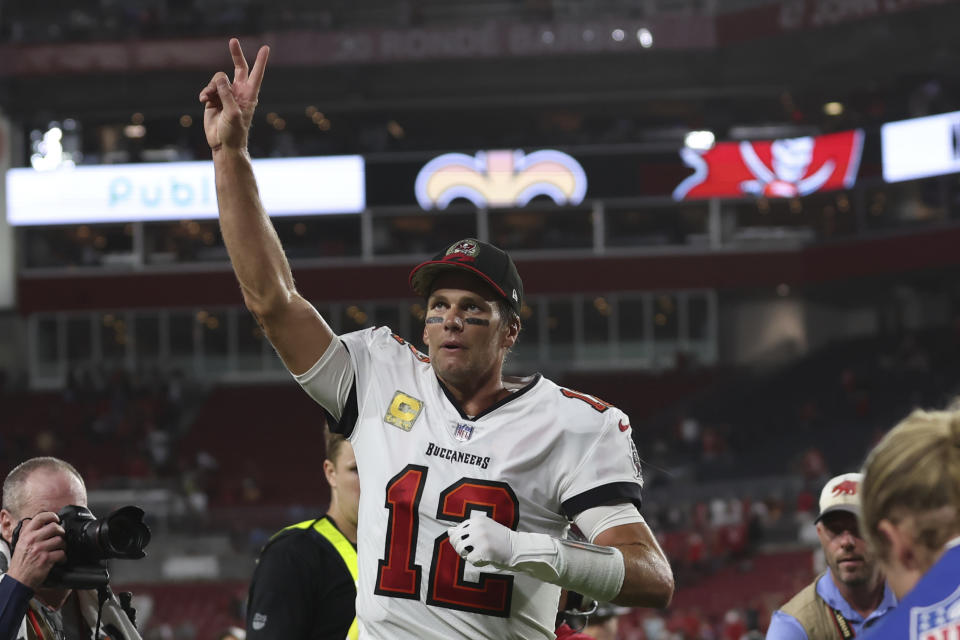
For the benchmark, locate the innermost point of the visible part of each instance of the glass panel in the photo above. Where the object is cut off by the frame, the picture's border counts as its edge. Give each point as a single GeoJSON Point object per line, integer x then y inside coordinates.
{"type": "Point", "coordinates": [697, 317]}
{"type": "Point", "coordinates": [596, 320]}
{"type": "Point", "coordinates": [418, 312]}
{"type": "Point", "coordinates": [632, 328]}
{"type": "Point", "coordinates": [216, 341]}
{"type": "Point", "coordinates": [636, 227]}
{"type": "Point", "coordinates": [183, 241]}
{"type": "Point", "coordinates": [387, 315]}
{"type": "Point", "coordinates": [560, 330]}
{"type": "Point", "coordinates": [424, 234]}
{"type": "Point", "coordinates": [48, 352]}
{"type": "Point", "coordinates": [79, 345]}
{"type": "Point", "coordinates": [526, 352]}
{"type": "Point", "coordinates": [355, 317]}
{"type": "Point", "coordinates": [665, 330]}
{"type": "Point", "coordinates": [531, 229]}
{"type": "Point", "coordinates": [907, 204]}
{"type": "Point", "coordinates": [320, 236]}
{"type": "Point", "coordinates": [779, 220]}
{"type": "Point", "coordinates": [182, 325]}
{"type": "Point", "coordinates": [146, 340]}
{"type": "Point", "coordinates": [114, 335]}
{"type": "Point", "coordinates": [596, 328]}
{"type": "Point", "coordinates": [79, 246]}
{"type": "Point", "coordinates": [250, 340]}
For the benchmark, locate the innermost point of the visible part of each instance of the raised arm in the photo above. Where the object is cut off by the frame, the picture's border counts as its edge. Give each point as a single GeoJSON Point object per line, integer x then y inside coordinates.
{"type": "Point", "coordinates": [292, 325]}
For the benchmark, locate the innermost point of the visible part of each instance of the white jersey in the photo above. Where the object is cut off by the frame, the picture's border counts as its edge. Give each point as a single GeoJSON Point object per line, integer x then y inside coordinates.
{"type": "Point", "coordinates": [531, 461]}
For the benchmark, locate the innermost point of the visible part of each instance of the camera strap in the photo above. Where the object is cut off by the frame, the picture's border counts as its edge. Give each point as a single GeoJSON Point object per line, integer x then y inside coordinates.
{"type": "Point", "coordinates": [49, 619]}
{"type": "Point", "coordinates": [103, 594]}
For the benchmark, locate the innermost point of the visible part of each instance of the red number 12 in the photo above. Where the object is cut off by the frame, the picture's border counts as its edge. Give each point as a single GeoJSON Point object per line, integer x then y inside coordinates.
{"type": "Point", "coordinates": [398, 575]}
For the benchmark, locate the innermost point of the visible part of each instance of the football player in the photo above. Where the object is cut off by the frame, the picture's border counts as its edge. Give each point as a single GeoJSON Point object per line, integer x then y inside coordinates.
{"type": "Point", "coordinates": [469, 480]}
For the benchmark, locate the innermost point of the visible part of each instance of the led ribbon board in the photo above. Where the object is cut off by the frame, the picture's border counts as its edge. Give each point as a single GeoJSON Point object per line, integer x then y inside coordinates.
{"type": "Point", "coordinates": [179, 191]}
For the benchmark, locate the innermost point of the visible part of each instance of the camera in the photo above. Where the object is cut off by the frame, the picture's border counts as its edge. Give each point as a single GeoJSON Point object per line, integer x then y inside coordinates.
{"type": "Point", "coordinates": [90, 542]}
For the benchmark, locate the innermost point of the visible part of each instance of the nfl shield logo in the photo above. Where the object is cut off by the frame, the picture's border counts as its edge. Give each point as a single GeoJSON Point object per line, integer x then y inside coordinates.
{"type": "Point", "coordinates": [936, 621]}
{"type": "Point", "coordinates": [463, 432]}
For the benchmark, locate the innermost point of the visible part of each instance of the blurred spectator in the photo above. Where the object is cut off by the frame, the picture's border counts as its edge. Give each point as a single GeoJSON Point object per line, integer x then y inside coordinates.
{"type": "Point", "coordinates": [733, 626]}
{"type": "Point", "coordinates": [852, 594]}
{"type": "Point", "coordinates": [232, 633]}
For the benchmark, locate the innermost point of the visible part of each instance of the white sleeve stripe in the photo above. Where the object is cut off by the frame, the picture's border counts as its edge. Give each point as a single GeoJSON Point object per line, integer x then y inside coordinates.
{"type": "Point", "coordinates": [596, 520]}
{"type": "Point", "coordinates": [330, 379]}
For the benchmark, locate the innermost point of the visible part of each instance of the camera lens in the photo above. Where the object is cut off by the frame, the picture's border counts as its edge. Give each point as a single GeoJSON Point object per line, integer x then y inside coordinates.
{"type": "Point", "coordinates": [123, 534]}
{"type": "Point", "coordinates": [124, 537]}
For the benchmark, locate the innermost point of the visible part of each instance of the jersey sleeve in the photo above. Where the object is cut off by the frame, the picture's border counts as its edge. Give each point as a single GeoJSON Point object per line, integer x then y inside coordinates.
{"type": "Point", "coordinates": [332, 380]}
{"type": "Point", "coordinates": [609, 471]}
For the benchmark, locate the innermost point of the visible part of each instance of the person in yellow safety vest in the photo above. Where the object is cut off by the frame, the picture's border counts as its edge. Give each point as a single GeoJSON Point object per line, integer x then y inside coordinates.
{"type": "Point", "coordinates": [305, 584]}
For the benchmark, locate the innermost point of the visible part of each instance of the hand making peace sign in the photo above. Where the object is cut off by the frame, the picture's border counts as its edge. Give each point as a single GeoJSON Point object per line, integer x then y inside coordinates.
{"type": "Point", "coordinates": [228, 107]}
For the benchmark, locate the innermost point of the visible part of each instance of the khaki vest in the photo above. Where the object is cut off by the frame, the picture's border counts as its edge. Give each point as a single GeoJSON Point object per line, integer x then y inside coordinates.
{"type": "Point", "coordinates": [816, 616]}
{"type": "Point", "coordinates": [343, 547]}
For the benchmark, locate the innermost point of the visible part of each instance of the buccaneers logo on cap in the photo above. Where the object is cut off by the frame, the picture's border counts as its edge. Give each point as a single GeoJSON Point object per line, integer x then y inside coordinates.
{"type": "Point", "coordinates": [464, 248]}
{"type": "Point", "coordinates": [845, 488]}
{"type": "Point", "coordinates": [500, 179]}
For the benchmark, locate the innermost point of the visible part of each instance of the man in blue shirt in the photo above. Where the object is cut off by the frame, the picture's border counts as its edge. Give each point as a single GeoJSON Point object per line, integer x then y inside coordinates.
{"type": "Point", "coordinates": [851, 594]}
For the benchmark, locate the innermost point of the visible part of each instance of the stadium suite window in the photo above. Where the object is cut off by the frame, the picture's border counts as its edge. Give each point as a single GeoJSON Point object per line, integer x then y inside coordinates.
{"type": "Point", "coordinates": [697, 317]}
{"type": "Point", "coordinates": [48, 346]}
{"type": "Point", "coordinates": [320, 236]}
{"type": "Point", "coordinates": [146, 338]}
{"type": "Point", "coordinates": [78, 246]}
{"type": "Point", "coordinates": [561, 330]}
{"type": "Point", "coordinates": [534, 228]}
{"type": "Point", "coordinates": [114, 336]}
{"type": "Point", "coordinates": [422, 233]}
{"type": "Point", "coordinates": [633, 330]}
{"type": "Point", "coordinates": [388, 315]}
{"type": "Point", "coordinates": [354, 317]}
{"type": "Point", "coordinates": [527, 347]}
{"type": "Point", "coordinates": [79, 340]}
{"type": "Point", "coordinates": [182, 326]}
{"type": "Point", "coordinates": [912, 203]}
{"type": "Point", "coordinates": [823, 215]}
{"type": "Point", "coordinates": [417, 311]}
{"type": "Point", "coordinates": [214, 328]}
{"type": "Point", "coordinates": [250, 342]}
{"type": "Point", "coordinates": [684, 223]}
{"type": "Point", "coordinates": [183, 241]}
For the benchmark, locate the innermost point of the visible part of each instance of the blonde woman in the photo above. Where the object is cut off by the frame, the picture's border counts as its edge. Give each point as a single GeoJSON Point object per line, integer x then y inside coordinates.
{"type": "Point", "coordinates": [911, 516]}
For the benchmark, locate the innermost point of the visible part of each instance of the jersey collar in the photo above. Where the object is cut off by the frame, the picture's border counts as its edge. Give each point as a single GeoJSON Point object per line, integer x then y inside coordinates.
{"type": "Point", "coordinates": [496, 405]}
{"type": "Point", "coordinates": [828, 590]}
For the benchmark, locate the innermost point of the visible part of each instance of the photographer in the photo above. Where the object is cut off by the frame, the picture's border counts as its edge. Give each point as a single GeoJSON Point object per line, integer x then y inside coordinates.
{"type": "Point", "coordinates": [33, 493]}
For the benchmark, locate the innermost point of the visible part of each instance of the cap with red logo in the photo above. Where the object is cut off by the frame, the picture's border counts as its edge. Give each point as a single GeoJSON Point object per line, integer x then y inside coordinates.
{"type": "Point", "coordinates": [491, 264]}
{"type": "Point", "coordinates": [841, 494]}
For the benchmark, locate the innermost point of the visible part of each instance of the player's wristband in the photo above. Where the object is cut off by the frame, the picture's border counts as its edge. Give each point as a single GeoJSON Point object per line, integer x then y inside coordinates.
{"type": "Point", "coordinates": [592, 570]}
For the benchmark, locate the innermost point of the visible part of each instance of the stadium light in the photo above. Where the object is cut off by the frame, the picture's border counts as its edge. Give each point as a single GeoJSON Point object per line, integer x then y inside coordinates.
{"type": "Point", "coordinates": [699, 140]}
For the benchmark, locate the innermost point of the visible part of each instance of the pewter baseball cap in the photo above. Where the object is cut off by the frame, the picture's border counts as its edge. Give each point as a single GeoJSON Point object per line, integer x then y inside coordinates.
{"type": "Point", "coordinates": [841, 494]}
{"type": "Point", "coordinates": [489, 263]}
